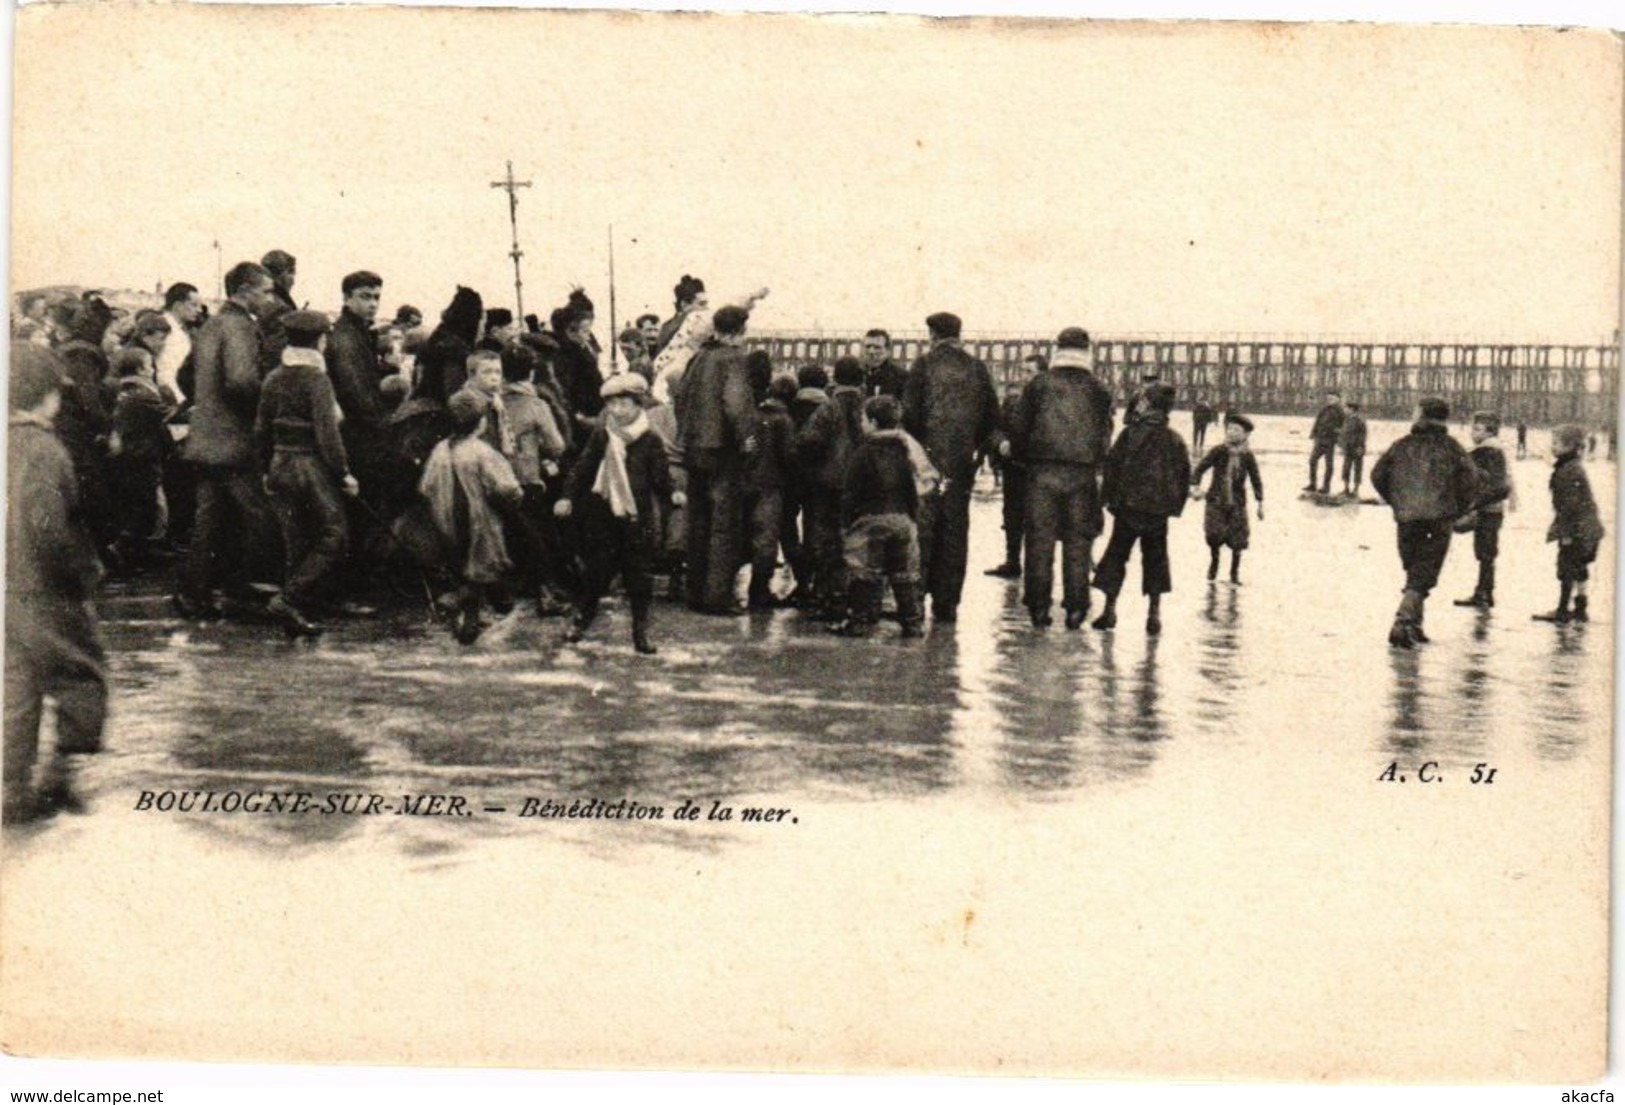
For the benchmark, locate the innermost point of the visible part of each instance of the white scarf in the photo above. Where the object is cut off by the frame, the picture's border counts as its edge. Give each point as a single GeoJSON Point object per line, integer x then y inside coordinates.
{"type": "Point", "coordinates": [613, 484]}
{"type": "Point", "coordinates": [296, 356]}
{"type": "Point", "coordinates": [1072, 358]}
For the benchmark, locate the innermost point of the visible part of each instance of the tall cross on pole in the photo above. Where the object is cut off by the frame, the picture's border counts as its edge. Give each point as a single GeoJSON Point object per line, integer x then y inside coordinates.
{"type": "Point", "coordinates": [512, 186]}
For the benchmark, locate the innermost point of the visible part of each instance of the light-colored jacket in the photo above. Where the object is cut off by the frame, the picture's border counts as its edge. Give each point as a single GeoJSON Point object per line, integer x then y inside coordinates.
{"type": "Point", "coordinates": [467, 468]}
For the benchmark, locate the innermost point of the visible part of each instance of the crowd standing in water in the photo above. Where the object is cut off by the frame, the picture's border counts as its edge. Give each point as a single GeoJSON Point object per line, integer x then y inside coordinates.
{"type": "Point", "coordinates": [492, 459]}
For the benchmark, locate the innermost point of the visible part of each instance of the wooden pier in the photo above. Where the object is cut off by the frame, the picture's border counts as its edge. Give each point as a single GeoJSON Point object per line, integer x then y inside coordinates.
{"type": "Point", "coordinates": [1539, 384]}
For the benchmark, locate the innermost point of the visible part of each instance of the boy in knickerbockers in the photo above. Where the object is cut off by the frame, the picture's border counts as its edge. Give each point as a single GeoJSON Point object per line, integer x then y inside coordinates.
{"type": "Point", "coordinates": [1575, 527]}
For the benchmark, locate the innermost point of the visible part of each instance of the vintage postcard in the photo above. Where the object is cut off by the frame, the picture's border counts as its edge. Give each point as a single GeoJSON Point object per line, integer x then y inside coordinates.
{"type": "Point", "coordinates": [611, 540]}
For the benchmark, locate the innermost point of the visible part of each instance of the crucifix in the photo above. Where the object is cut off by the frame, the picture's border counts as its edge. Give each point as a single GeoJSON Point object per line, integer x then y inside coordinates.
{"type": "Point", "coordinates": [512, 186]}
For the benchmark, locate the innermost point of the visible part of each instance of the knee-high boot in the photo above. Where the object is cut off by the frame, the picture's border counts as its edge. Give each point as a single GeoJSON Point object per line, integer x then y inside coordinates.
{"type": "Point", "coordinates": [1406, 629]}
{"type": "Point", "coordinates": [640, 625]}
{"type": "Point", "coordinates": [863, 597]}
{"type": "Point", "coordinates": [910, 607]}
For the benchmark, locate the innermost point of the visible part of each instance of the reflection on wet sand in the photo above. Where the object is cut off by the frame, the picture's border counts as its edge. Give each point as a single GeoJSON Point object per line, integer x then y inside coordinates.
{"type": "Point", "coordinates": [1290, 668]}
{"type": "Point", "coordinates": [1565, 699]}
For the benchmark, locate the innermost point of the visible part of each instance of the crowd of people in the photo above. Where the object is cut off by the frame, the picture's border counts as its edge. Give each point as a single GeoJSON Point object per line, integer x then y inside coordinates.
{"type": "Point", "coordinates": [493, 460]}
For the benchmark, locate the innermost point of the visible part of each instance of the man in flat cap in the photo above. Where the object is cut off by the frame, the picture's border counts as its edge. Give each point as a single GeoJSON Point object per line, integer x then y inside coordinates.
{"type": "Point", "coordinates": [307, 472]}
{"type": "Point", "coordinates": [1060, 432]}
{"type": "Point", "coordinates": [357, 375]}
{"type": "Point", "coordinates": [283, 269]}
{"type": "Point", "coordinates": [231, 504]}
{"type": "Point", "coordinates": [949, 406]}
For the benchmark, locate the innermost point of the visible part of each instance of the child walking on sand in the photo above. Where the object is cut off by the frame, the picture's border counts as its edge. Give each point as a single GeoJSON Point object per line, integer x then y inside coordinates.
{"type": "Point", "coordinates": [1224, 522]}
{"type": "Point", "coordinates": [615, 488]}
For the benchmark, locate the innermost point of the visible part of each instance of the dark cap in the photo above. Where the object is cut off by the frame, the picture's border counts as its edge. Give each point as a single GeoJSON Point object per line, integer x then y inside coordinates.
{"type": "Point", "coordinates": [1489, 420]}
{"type": "Point", "coordinates": [306, 322]}
{"type": "Point", "coordinates": [944, 325]}
{"type": "Point", "coordinates": [35, 372]}
{"type": "Point", "coordinates": [1436, 409]}
{"type": "Point", "coordinates": [408, 315]}
{"type": "Point", "coordinates": [1073, 337]}
{"type": "Point", "coordinates": [278, 261]}
{"type": "Point", "coordinates": [730, 320]}
{"type": "Point", "coordinates": [543, 344]}
{"type": "Point", "coordinates": [1160, 397]}
{"type": "Point", "coordinates": [1240, 420]}
{"type": "Point", "coordinates": [1565, 439]}
{"type": "Point", "coordinates": [498, 316]}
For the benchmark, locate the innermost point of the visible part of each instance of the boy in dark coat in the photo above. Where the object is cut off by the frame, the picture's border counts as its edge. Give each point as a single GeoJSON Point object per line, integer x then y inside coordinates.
{"type": "Point", "coordinates": [879, 502]}
{"type": "Point", "coordinates": [138, 449]}
{"type": "Point", "coordinates": [769, 472]}
{"type": "Point", "coordinates": [812, 382]}
{"type": "Point", "coordinates": [624, 469]}
{"type": "Point", "coordinates": [536, 438]}
{"type": "Point", "coordinates": [307, 472]}
{"type": "Point", "coordinates": [1224, 522]}
{"type": "Point", "coordinates": [1576, 526]}
{"type": "Point", "coordinates": [1430, 481]}
{"type": "Point", "coordinates": [823, 448]}
{"type": "Point", "coordinates": [1147, 479]}
{"type": "Point", "coordinates": [1494, 493]}
{"type": "Point", "coordinates": [52, 645]}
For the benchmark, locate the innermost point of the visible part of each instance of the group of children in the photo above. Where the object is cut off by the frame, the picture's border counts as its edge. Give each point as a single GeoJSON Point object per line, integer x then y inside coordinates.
{"type": "Point", "coordinates": [856, 474]}
{"type": "Point", "coordinates": [1436, 487]}
{"type": "Point", "coordinates": [1433, 485]}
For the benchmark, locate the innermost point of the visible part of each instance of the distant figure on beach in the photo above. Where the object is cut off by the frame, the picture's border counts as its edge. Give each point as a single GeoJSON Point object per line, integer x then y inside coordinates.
{"type": "Point", "coordinates": [1328, 425]}
{"type": "Point", "coordinates": [1201, 418]}
{"type": "Point", "coordinates": [1351, 438]}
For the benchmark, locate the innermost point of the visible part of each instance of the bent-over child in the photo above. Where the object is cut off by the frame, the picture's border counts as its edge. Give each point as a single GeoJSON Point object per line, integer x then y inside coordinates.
{"type": "Point", "coordinates": [470, 488]}
{"type": "Point", "coordinates": [879, 504]}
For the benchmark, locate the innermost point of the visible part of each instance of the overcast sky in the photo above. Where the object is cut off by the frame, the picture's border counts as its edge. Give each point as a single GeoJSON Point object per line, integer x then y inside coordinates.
{"type": "Point", "coordinates": [1430, 182]}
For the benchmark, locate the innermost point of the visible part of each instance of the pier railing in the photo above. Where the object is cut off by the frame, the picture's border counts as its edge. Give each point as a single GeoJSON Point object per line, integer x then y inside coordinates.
{"type": "Point", "coordinates": [1538, 383]}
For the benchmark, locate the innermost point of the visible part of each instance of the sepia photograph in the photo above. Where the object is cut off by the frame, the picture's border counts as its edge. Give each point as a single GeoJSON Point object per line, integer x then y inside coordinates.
{"type": "Point", "coordinates": [889, 543]}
